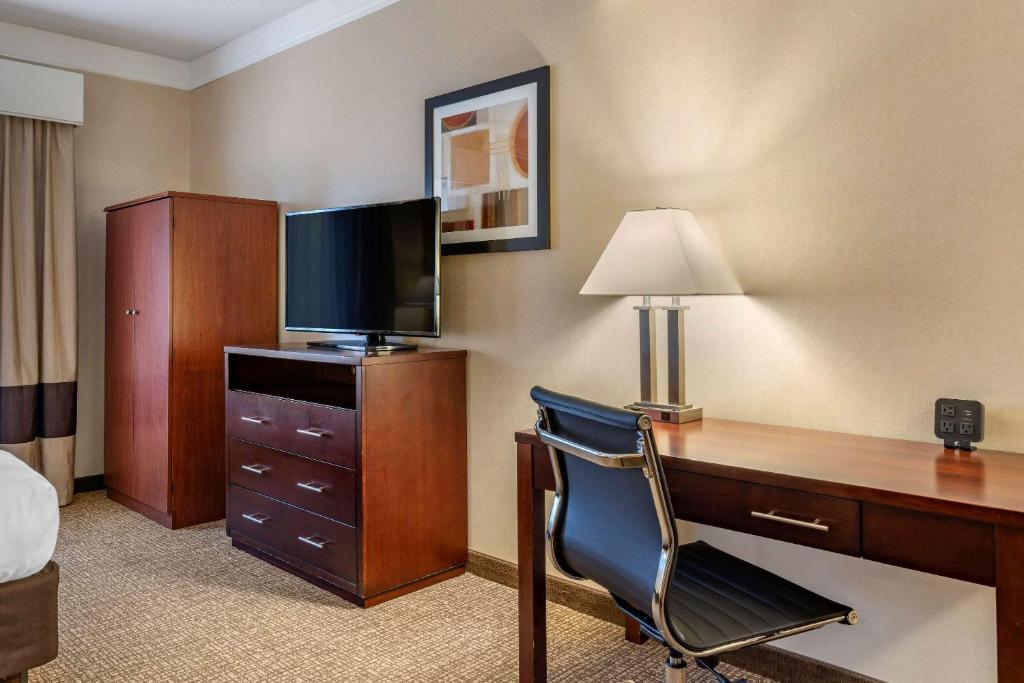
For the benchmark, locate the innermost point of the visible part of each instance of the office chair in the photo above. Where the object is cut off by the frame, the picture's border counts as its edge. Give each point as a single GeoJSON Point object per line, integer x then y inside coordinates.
{"type": "Point", "coordinates": [612, 522]}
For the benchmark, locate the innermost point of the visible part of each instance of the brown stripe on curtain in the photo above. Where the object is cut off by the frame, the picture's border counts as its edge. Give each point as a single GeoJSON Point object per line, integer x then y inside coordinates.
{"type": "Point", "coordinates": [37, 411]}
{"type": "Point", "coordinates": [38, 297]}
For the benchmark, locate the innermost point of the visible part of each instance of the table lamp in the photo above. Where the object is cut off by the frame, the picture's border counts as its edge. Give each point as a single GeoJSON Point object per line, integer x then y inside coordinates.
{"type": "Point", "coordinates": [661, 252]}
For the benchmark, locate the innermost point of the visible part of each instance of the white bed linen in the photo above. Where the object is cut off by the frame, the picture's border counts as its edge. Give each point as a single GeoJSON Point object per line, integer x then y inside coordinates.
{"type": "Point", "coordinates": [29, 518]}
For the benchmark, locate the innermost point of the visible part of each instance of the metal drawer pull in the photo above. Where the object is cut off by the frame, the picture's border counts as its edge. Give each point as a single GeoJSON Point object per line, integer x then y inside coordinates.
{"type": "Point", "coordinates": [254, 420]}
{"type": "Point", "coordinates": [312, 431]}
{"type": "Point", "coordinates": [315, 541]}
{"type": "Point", "coordinates": [313, 486]}
{"type": "Point", "coordinates": [257, 518]}
{"type": "Point", "coordinates": [816, 524]}
{"type": "Point", "coordinates": [255, 469]}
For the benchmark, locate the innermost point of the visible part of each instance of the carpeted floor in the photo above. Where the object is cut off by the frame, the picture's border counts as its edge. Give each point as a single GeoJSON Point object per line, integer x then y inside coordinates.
{"type": "Point", "coordinates": [141, 603]}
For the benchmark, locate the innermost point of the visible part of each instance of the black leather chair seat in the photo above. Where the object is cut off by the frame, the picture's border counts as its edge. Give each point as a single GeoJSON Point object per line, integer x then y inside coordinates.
{"type": "Point", "coordinates": [717, 599]}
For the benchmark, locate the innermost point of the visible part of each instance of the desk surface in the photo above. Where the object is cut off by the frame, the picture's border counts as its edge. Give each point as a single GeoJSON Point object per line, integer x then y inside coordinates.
{"type": "Point", "coordinates": [983, 485]}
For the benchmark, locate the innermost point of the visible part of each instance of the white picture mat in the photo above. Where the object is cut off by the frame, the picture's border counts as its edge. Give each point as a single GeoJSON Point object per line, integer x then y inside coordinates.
{"type": "Point", "coordinates": [527, 92]}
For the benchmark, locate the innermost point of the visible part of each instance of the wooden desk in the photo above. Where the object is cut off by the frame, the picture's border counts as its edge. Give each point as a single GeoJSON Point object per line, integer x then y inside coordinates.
{"type": "Point", "coordinates": [903, 503]}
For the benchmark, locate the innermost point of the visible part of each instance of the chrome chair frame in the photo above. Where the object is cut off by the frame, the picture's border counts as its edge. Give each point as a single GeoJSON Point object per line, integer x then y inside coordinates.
{"type": "Point", "coordinates": [646, 458]}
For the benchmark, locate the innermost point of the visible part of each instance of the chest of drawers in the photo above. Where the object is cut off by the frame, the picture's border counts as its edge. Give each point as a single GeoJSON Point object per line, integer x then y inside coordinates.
{"type": "Point", "coordinates": [346, 469]}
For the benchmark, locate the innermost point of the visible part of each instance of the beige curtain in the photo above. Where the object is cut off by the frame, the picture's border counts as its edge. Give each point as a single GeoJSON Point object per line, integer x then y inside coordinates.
{"type": "Point", "coordinates": [38, 297]}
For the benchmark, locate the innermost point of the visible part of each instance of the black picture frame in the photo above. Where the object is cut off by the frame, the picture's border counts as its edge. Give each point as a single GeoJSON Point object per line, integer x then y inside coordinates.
{"type": "Point", "coordinates": [542, 77]}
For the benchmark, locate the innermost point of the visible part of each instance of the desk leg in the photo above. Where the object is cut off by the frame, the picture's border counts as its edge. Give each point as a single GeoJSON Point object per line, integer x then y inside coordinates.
{"type": "Point", "coordinates": [633, 632]}
{"type": "Point", "coordinates": [1010, 603]}
{"type": "Point", "coordinates": [533, 652]}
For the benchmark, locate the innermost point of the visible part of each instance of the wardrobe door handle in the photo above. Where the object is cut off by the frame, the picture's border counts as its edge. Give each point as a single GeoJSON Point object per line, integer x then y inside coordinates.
{"type": "Point", "coordinates": [255, 469]}
{"type": "Point", "coordinates": [313, 486]}
{"type": "Point", "coordinates": [257, 518]}
{"type": "Point", "coordinates": [315, 541]}
{"type": "Point", "coordinates": [318, 433]}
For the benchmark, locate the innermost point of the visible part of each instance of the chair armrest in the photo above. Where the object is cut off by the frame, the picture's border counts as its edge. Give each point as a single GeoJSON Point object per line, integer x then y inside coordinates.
{"type": "Point", "coordinates": [620, 461]}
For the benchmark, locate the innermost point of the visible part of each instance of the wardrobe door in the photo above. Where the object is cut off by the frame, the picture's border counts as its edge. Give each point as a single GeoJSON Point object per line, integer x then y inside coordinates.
{"type": "Point", "coordinates": [119, 397]}
{"type": "Point", "coordinates": [224, 293]}
{"type": "Point", "coordinates": [151, 261]}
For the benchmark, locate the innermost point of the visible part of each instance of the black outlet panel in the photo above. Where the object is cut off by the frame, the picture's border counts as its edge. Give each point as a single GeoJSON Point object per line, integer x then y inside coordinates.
{"type": "Point", "coordinates": [959, 422]}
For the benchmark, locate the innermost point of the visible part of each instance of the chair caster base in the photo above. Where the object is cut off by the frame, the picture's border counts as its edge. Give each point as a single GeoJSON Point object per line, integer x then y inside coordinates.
{"type": "Point", "coordinates": [675, 669]}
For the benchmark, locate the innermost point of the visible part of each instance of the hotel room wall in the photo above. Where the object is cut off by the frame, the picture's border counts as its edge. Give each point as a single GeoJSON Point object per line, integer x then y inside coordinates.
{"type": "Point", "coordinates": [860, 162]}
{"type": "Point", "coordinates": [134, 142]}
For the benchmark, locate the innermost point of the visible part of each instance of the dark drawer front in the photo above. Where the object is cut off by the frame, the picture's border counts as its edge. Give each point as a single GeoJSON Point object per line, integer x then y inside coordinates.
{"type": "Point", "coordinates": [806, 518]}
{"type": "Point", "coordinates": [936, 544]}
{"type": "Point", "coordinates": [320, 432]}
{"type": "Point", "coordinates": [325, 489]}
{"type": "Point", "coordinates": [281, 527]}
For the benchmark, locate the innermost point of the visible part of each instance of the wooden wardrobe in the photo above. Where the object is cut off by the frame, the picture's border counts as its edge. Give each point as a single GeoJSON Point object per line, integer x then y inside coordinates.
{"type": "Point", "coordinates": [187, 275]}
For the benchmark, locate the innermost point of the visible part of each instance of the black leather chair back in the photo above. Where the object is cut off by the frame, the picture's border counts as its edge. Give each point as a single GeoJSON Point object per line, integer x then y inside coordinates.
{"type": "Point", "coordinates": [607, 528]}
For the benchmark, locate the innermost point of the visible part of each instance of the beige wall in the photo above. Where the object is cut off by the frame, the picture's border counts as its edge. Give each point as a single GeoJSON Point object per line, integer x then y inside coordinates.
{"type": "Point", "coordinates": [842, 150]}
{"type": "Point", "coordinates": [134, 142]}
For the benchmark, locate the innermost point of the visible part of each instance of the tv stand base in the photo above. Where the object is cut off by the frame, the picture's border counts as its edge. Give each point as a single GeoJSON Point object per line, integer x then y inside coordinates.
{"type": "Point", "coordinates": [374, 343]}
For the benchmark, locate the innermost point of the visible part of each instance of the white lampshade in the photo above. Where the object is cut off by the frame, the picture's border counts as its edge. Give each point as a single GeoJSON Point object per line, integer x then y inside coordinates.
{"type": "Point", "coordinates": [660, 252]}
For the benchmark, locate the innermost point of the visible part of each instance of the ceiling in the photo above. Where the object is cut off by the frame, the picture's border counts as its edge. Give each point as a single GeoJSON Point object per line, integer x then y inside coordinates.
{"type": "Point", "coordinates": [178, 29]}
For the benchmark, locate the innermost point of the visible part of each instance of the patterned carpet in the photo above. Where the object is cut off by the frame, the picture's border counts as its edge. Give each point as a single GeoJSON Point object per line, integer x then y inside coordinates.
{"type": "Point", "coordinates": [141, 603]}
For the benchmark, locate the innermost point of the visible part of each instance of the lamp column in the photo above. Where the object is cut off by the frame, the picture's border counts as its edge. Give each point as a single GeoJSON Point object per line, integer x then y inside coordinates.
{"type": "Point", "coordinates": [675, 314]}
{"type": "Point", "coordinates": [648, 351]}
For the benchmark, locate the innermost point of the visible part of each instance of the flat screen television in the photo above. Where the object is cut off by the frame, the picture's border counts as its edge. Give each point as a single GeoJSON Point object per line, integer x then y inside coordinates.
{"type": "Point", "coordinates": [366, 270]}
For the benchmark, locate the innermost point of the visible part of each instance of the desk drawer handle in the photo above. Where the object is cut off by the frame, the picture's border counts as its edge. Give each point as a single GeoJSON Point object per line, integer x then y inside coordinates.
{"type": "Point", "coordinates": [315, 541]}
{"type": "Point", "coordinates": [255, 469]}
{"type": "Point", "coordinates": [312, 486]}
{"type": "Point", "coordinates": [256, 518]}
{"type": "Point", "coordinates": [318, 433]}
{"type": "Point", "coordinates": [254, 420]}
{"type": "Point", "coordinates": [773, 516]}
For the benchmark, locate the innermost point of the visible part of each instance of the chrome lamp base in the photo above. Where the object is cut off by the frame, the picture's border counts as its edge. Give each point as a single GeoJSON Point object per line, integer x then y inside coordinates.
{"type": "Point", "coordinates": [668, 412]}
{"type": "Point", "coordinates": [677, 410]}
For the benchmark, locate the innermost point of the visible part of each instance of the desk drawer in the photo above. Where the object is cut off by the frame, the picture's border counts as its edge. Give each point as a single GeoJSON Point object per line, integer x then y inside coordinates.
{"type": "Point", "coordinates": [281, 527]}
{"type": "Point", "coordinates": [809, 519]}
{"type": "Point", "coordinates": [320, 432]}
{"type": "Point", "coordinates": [316, 486]}
{"type": "Point", "coordinates": [947, 546]}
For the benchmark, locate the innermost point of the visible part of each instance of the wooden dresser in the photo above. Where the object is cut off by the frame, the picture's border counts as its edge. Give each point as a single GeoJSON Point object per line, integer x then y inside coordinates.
{"type": "Point", "coordinates": [186, 274]}
{"type": "Point", "coordinates": [349, 470]}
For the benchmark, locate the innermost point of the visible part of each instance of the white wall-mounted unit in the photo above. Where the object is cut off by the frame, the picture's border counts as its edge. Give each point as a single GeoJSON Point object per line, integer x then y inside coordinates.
{"type": "Point", "coordinates": [39, 92]}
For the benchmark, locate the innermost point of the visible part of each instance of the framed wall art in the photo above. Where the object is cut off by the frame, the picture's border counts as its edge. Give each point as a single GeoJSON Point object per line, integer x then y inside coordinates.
{"type": "Point", "coordinates": [487, 150]}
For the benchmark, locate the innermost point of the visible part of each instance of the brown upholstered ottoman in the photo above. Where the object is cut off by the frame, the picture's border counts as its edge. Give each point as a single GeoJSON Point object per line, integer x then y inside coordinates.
{"type": "Point", "coordinates": [28, 622]}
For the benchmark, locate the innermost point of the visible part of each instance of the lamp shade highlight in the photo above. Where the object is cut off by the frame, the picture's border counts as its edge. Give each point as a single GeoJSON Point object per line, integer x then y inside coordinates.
{"type": "Point", "coordinates": [660, 252]}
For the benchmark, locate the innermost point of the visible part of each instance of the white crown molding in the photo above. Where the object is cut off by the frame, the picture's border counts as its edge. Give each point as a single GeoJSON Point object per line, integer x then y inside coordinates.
{"type": "Point", "coordinates": [298, 26]}
{"type": "Point", "coordinates": [55, 49]}
{"type": "Point", "coordinates": [307, 22]}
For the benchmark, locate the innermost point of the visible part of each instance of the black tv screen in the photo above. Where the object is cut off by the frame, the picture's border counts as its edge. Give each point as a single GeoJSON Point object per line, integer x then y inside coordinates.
{"type": "Point", "coordinates": [364, 269]}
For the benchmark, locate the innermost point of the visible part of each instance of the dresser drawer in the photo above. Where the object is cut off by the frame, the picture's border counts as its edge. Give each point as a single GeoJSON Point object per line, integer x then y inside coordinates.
{"type": "Point", "coordinates": [317, 431]}
{"type": "Point", "coordinates": [328, 545]}
{"type": "Point", "coordinates": [316, 486]}
{"type": "Point", "coordinates": [787, 515]}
